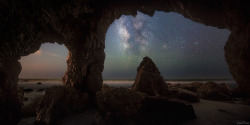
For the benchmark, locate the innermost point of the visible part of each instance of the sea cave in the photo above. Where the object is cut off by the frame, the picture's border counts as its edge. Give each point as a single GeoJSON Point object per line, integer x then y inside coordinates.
{"type": "Point", "coordinates": [81, 25]}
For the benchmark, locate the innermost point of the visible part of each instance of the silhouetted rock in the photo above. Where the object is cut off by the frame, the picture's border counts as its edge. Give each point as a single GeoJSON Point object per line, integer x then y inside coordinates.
{"type": "Point", "coordinates": [213, 91]}
{"type": "Point", "coordinates": [149, 79]}
{"type": "Point", "coordinates": [28, 90]}
{"type": "Point", "coordinates": [39, 83]}
{"type": "Point", "coordinates": [59, 102]}
{"type": "Point", "coordinates": [126, 106]}
{"type": "Point", "coordinates": [183, 94]}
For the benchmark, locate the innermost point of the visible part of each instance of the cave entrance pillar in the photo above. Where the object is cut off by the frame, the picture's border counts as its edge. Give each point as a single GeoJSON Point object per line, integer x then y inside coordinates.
{"type": "Point", "coordinates": [10, 103]}
{"type": "Point", "coordinates": [85, 61]}
{"type": "Point", "coordinates": [237, 54]}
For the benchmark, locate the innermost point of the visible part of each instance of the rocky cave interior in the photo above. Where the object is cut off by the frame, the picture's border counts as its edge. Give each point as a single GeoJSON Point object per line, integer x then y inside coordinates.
{"type": "Point", "coordinates": [81, 26]}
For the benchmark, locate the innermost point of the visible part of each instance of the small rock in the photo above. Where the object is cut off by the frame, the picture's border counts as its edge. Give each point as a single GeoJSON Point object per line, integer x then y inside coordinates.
{"type": "Point", "coordinates": [40, 90]}
{"type": "Point", "coordinates": [25, 99]}
{"type": "Point", "coordinates": [28, 90]}
{"type": "Point", "coordinates": [39, 83]}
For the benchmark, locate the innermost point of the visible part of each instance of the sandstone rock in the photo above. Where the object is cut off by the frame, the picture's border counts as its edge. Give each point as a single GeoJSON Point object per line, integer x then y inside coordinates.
{"type": "Point", "coordinates": [183, 94]}
{"type": "Point", "coordinates": [119, 100]}
{"type": "Point", "coordinates": [59, 102]}
{"type": "Point", "coordinates": [149, 79]}
{"type": "Point", "coordinates": [194, 86]}
{"type": "Point", "coordinates": [126, 106]}
{"type": "Point", "coordinates": [213, 91]}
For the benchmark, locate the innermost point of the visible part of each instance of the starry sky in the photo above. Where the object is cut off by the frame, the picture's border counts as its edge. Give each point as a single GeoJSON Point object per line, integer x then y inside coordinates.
{"type": "Point", "coordinates": [180, 48]}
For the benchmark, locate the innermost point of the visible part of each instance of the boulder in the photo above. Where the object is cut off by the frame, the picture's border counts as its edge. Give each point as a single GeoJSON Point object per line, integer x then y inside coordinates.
{"type": "Point", "coordinates": [59, 102]}
{"type": "Point", "coordinates": [213, 91]}
{"type": "Point", "coordinates": [125, 106]}
{"type": "Point", "coordinates": [149, 79]}
{"type": "Point", "coordinates": [183, 94]}
{"type": "Point", "coordinates": [194, 86]}
{"type": "Point", "coordinates": [28, 90]}
{"type": "Point", "coordinates": [119, 100]}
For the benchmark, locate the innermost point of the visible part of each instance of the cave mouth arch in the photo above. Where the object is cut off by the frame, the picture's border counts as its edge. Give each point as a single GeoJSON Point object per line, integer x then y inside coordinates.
{"type": "Point", "coordinates": [181, 48]}
{"type": "Point", "coordinates": [86, 41]}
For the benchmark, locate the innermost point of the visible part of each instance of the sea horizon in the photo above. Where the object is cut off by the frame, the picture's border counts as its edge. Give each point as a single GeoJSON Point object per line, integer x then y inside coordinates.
{"type": "Point", "coordinates": [127, 83]}
{"type": "Point", "coordinates": [121, 79]}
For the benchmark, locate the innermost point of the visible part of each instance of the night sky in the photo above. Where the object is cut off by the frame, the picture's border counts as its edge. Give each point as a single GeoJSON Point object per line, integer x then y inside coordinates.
{"type": "Point", "coordinates": [180, 48]}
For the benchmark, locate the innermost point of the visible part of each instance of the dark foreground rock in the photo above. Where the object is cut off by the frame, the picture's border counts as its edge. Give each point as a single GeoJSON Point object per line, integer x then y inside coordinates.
{"type": "Point", "coordinates": [213, 91]}
{"type": "Point", "coordinates": [59, 102]}
{"type": "Point", "coordinates": [125, 106]}
{"type": "Point", "coordinates": [149, 79]}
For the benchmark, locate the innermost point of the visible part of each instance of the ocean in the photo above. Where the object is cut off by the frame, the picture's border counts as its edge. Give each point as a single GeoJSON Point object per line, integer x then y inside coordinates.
{"type": "Point", "coordinates": [32, 83]}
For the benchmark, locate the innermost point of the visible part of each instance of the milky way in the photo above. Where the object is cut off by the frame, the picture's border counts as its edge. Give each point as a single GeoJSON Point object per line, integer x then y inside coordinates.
{"type": "Point", "coordinates": [179, 47]}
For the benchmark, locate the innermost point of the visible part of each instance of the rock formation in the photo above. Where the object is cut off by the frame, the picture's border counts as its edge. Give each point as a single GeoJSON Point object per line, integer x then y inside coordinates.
{"type": "Point", "coordinates": [81, 26]}
{"type": "Point", "coordinates": [58, 102]}
{"type": "Point", "coordinates": [182, 94]}
{"type": "Point", "coordinates": [193, 87]}
{"type": "Point", "coordinates": [213, 91]}
{"type": "Point", "coordinates": [126, 106]}
{"type": "Point", "coordinates": [149, 79]}
{"type": "Point", "coordinates": [120, 101]}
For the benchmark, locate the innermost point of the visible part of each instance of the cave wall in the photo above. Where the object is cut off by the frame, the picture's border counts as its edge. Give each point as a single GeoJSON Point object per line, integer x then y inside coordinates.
{"type": "Point", "coordinates": [81, 26]}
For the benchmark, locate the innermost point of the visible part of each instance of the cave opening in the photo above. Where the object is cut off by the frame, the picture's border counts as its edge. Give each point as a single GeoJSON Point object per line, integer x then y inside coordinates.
{"type": "Point", "coordinates": [47, 65]}
{"type": "Point", "coordinates": [181, 49]}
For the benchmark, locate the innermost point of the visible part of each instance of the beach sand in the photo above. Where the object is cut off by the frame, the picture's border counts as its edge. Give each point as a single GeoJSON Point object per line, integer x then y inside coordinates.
{"type": "Point", "coordinates": [208, 112]}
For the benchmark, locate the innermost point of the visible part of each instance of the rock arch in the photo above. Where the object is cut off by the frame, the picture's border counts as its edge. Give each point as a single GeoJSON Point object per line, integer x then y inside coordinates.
{"type": "Point", "coordinates": [82, 24]}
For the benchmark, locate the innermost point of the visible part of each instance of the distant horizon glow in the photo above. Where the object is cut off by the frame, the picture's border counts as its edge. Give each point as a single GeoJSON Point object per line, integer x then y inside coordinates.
{"type": "Point", "coordinates": [47, 62]}
{"type": "Point", "coordinates": [180, 48]}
